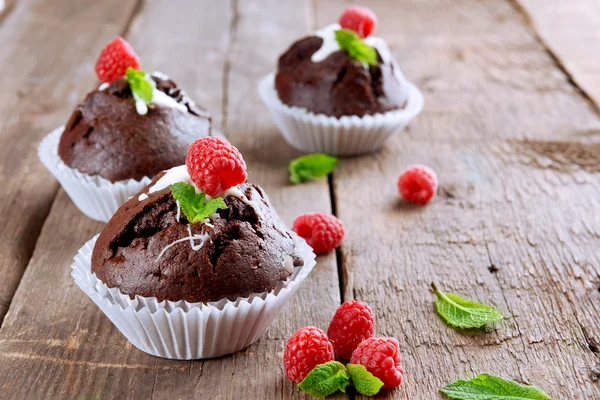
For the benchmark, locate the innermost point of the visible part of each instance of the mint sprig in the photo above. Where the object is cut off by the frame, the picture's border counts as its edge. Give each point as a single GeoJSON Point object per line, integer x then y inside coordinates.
{"type": "Point", "coordinates": [356, 47]}
{"type": "Point", "coordinates": [490, 387]}
{"type": "Point", "coordinates": [462, 313]}
{"type": "Point", "coordinates": [139, 84]}
{"type": "Point", "coordinates": [305, 168]}
{"type": "Point", "coordinates": [364, 382]}
{"type": "Point", "coordinates": [193, 204]}
{"type": "Point", "coordinates": [325, 379]}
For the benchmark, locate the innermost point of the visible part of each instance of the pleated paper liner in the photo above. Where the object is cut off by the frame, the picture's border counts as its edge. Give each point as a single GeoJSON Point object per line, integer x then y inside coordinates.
{"type": "Point", "coordinates": [96, 197]}
{"type": "Point", "coordinates": [345, 136]}
{"type": "Point", "coordinates": [185, 331]}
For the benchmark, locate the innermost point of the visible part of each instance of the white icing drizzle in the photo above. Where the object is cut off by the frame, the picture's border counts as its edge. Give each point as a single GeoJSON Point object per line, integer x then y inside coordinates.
{"type": "Point", "coordinates": [159, 98]}
{"type": "Point", "coordinates": [191, 237]}
{"type": "Point", "coordinates": [103, 86]}
{"type": "Point", "coordinates": [329, 46]}
{"type": "Point", "coordinates": [140, 105]}
{"type": "Point", "coordinates": [178, 211]}
{"type": "Point", "coordinates": [174, 175]}
{"type": "Point", "coordinates": [160, 75]}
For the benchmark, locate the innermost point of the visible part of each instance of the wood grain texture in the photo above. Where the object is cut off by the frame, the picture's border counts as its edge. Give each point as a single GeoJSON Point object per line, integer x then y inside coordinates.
{"type": "Point", "coordinates": [45, 72]}
{"type": "Point", "coordinates": [68, 347]}
{"type": "Point", "coordinates": [514, 222]}
{"type": "Point", "coordinates": [571, 30]}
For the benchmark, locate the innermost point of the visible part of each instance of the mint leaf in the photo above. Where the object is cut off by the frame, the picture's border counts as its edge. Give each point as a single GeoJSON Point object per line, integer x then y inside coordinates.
{"type": "Point", "coordinates": [139, 84]}
{"type": "Point", "coordinates": [489, 387]}
{"type": "Point", "coordinates": [193, 204]}
{"type": "Point", "coordinates": [356, 47]}
{"type": "Point", "coordinates": [462, 313]}
{"type": "Point", "coordinates": [325, 379]}
{"type": "Point", "coordinates": [364, 382]}
{"type": "Point", "coordinates": [305, 168]}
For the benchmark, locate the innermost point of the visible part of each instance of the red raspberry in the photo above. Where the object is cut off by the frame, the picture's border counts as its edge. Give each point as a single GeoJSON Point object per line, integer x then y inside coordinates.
{"type": "Point", "coordinates": [351, 324]}
{"type": "Point", "coordinates": [306, 349]}
{"type": "Point", "coordinates": [215, 165]}
{"type": "Point", "coordinates": [114, 60]}
{"type": "Point", "coordinates": [380, 357]}
{"type": "Point", "coordinates": [418, 184]}
{"type": "Point", "coordinates": [360, 20]}
{"type": "Point", "coordinates": [322, 232]}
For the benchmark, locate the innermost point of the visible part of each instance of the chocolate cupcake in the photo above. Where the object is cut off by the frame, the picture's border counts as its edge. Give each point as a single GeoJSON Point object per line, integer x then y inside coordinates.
{"type": "Point", "coordinates": [184, 274]}
{"type": "Point", "coordinates": [122, 134]}
{"type": "Point", "coordinates": [339, 90]}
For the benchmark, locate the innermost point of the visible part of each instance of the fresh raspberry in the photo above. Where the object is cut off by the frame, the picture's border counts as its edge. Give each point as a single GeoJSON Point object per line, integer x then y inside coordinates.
{"type": "Point", "coordinates": [114, 60]}
{"type": "Point", "coordinates": [351, 324]}
{"type": "Point", "coordinates": [360, 20]}
{"type": "Point", "coordinates": [380, 357]}
{"type": "Point", "coordinates": [418, 184]}
{"type": "Point", "coordinates": [306, 349]}
{"type": "Point", "coordinates": [322, 232]}
{"type": "Point", "coordinates": [215, 165]}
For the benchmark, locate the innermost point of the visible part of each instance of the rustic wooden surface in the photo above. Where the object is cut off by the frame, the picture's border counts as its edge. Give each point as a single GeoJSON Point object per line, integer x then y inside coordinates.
{"type": "Point", "coordinates": [514, 140]}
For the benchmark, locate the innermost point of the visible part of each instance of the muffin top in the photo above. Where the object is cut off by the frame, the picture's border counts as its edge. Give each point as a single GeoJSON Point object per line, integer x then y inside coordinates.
{"type": "Point", "coordinates": [150, 249]}
{"type": "Point", "coordinates": [323, 74]}
{"type": "Point", "coordinates": [109, 135]}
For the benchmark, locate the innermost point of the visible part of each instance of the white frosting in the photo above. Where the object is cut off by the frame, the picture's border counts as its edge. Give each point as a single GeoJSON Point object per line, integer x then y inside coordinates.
{"type": "Point", "coordinates": [178, 211]}
{"type": "Point", "coordinates": [103, 86]}
{"type": "Point", "coordinates": [160, 75]}
{"type": "Point", "coordinates": [191, 237]}
{"type": "Point", "coordinates": [140, 105]}
{"type": "Point", "coordinates": [159, 97]}
{"type": "Point", "coordinates": [174, 175]}
{"type": "Point", "coordinates": [329, 46]}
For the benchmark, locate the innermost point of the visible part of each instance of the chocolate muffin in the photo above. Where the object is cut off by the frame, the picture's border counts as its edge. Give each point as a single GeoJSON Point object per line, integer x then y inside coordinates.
{"type": "Point", "coordinates": [149, 249]}
{"type": "Point", "coordinates": [314, 73]}
{"type": "Point", "coordinates": [107, 136]}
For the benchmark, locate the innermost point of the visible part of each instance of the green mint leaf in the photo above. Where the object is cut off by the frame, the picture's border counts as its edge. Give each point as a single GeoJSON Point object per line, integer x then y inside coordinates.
{"type": "Point", "coordinates": [490, 387]}
{"type": "Point", "coordinates": [305, 168]}
{"type": "Point", "coordinates": [139, 84]}
{"type": "Point", "coordinates": [356, 47]}
{"type": "Point", "coordinates": [193, 204]}
{"type": "Point", "coordinates": [325, 379]}
{"type": "Point", "coordinates": [462, 313]}
{"type": "Point", "coordinates": [364, 382]}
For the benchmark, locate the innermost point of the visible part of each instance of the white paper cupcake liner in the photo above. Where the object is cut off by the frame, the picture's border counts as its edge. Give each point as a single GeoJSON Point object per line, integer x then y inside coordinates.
{"type": "Point", "coordinates": [345, 136]}
{"type": "Point", "coordinates": [96, 197]}
{"type": "Point", "coordinates": [186, 331]}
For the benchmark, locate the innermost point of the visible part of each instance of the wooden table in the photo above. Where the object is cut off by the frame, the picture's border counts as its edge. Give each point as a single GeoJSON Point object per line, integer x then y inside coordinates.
{"type": "Point", "coordinates": [511, 124]}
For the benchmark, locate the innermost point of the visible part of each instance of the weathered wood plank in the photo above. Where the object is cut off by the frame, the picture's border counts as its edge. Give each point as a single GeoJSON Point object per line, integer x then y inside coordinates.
{"type": "Point", "coordinates": [45, 71]}
{"type": "Point", "coordinates": [68, 344]}
{"type": "Point", "coordinates": [571, 31]}
{"type": "Point", "coordinates": [506, 132]}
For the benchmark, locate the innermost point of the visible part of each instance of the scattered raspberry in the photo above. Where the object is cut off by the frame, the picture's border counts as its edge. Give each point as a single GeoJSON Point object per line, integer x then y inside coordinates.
{"type": "Point", "coordinates": [380, 357]}
{"type": "Point", "coordinates": [306, 349]}
{"type": "Point", "coordinates": [322, 232]}
{"type": "Point", "coordinates": [114, 60]}
{"type": "Point", "coordinates": [351, 324]}
{"type": "Point", "coordinates": [360, 20]}
{"type": "Point", "coordinates": [215, 165]}
{"type": "Point", "coordinates": [418, 184]}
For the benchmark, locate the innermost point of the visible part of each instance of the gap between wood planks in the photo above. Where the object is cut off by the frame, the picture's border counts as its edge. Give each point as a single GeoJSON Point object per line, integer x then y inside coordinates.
{"type": "Point", "coordinates": [591, 344]}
